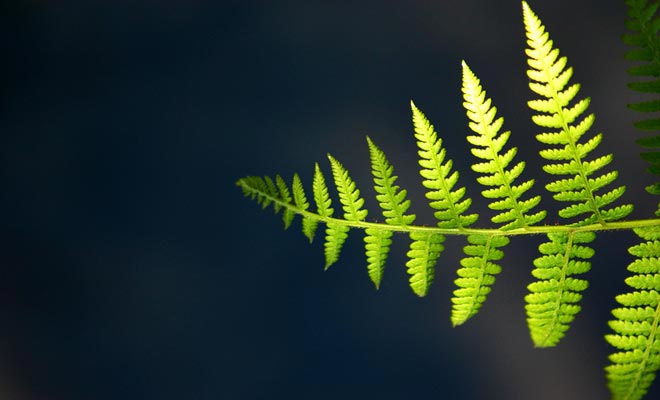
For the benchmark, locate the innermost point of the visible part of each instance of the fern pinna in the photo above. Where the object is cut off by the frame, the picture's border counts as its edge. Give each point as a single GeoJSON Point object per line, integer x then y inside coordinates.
{"type": "Point", "coordinates": [581, 182]}
{"type": "Point", "coordinates": [553, 301]}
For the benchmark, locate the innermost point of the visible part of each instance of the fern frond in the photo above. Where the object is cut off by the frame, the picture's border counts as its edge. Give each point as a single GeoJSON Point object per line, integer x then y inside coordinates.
{"type": "Point", "coordinates": [309, 224]}
{"type": "Point", "coordinates": [255, 188]}
{"type": "Point", "coordinates": [582, 180]}
{"type": "Point", "coordinates": [637, 323]}
{"type": "Point", "coordinates": [265, 192]}
{"type": "Point", "coordinates": [489, 145]}
{"type": "Point", "coordinates": [391, 200]}
{"type": "Point", "coordinates": [644, 24]}
{"type": "Point", "coordinates": [476, 276]}
{"type": "Point", "coordinates": [377, 245]}
{"type": "Point", "coordinates": [335, 234]}
{"type": "Point", "coordinates": [394, 205]}
{"type": "Point", "coordinates": [478, 269]}
{"type": "Point", "coordinates": [439, 178]}
{"type": "Point", "coordinates": [349, 195]}
{"type": "Point", "coordinates": [285, 196]}
{"type": "Point", "coordinates": [448, 202]}
{"type": "Point", "coordinates": [423, 254]}
{"type": "Point", "coordinates": [554, 298]}
{"type": "Point", "coordinates": [321, 195]}
{"type": "Point", "coordinates": [578, 182]}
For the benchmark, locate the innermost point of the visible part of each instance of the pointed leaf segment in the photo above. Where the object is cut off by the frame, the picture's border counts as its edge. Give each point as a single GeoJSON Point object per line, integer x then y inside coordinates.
{"type": "Point", "coordinates": [577, 184]}
{"type": "Point", "coordinates": [393, 202]}
{"type": "Point", "coordinates": [637, 323]}
{"type": "Point", "coordinates": [439, 180]}
{"type": "Point", "coordinates": [555, 295]}
{"type": "Point", "coordinates": [498, 175]}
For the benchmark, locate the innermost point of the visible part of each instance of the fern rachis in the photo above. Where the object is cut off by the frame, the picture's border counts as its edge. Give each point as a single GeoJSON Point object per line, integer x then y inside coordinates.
{"type": "Point", "coordinates": [583, 183]}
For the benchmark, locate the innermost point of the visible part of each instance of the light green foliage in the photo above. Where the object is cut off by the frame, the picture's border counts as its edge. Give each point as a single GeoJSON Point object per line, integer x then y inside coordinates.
{"type": "Point", "coordinates": [637, 323]}
{"type": "Point", "coordinates": [498, 176]}
{"type": "Point", "coordinates": [335, 234]}
{"type": "Point", "coordinates": [424, 252]}
{"type": "Point", "coordinates": [300, 200]}
{"type": "Point", "coordinates": [390, 198]}
{"type": "Point", "coordinates": [394, 205]}
{"type": "Point", "coordinates": [576, 181]}
{"type": "Point", "coordinates": [476, 276]}
{"type": "Point", "coordinates": [554, 298]}
{"type": "Point", "coordinates": [349, 195]}
{"type": "Point", "coordinates": [287, 214]}
{"type": "Point", "coordinates": [439, 179]}
{"type": "Point", "coordinates": [497, 173]}
{"type": "Point", "coordinates": [580, 182]}
{"type": "Point", "coordinates": [448, 202]}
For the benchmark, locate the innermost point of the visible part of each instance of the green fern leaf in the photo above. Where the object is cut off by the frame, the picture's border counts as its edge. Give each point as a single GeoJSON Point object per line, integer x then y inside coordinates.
{"type": "Point", "coordinates": [488, 146]}
{"type": "Point", "coordinates": [285, 196]}
{"type": "Point", "coordinates": [392, 200]}
{"type": "Point", "coordinates": [377, 245]}
{"type": "Point", "coordinates": [321, 195]}
{"type": "Point", "coordinates": [580, 181]}
{"type": "Point", "coordinates": [439, 178]}
{"type": "Point", "coordinates": [309, 224]}
{"type": "Point", "coordinates": [423, 254]}
{"type": "Point", "coordinates": [448, 202]}
{"type": "Point", "coordinates": [476, 276]}
{"type": "Point", "coordinates": [349, 195]}
{"type": "Point", "coordinates": [637, 323]}
{"type": "Point", "coordinates": [394, 205]}
{"type": "Point", "coordinates": [255, 188]}
{"type": "Point", "coordinates": [551, 305]}
{"type": "Point", "coordinates": [550, 79]}
{"type": "Point", "coordinates": [478, 269]}
{"type": "Point", "coordinates": [335, 234]}
{"type": "Point", "coordinates": [554, 297]}
{"type": "Point", "coordinates": [273, 194]}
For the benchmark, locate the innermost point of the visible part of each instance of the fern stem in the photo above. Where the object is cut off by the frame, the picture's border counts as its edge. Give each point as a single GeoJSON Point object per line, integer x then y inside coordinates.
{"type": "Point", "coordinates": [530, 230]}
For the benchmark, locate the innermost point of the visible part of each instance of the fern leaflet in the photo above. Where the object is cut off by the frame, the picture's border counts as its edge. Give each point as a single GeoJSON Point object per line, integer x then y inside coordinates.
{"type": "Point", "coordinates": [394, 205]}
{"type": "Point", "coordinates": [309, 224]}
{"type": "Point", "coordinates": [637, 323]}
{"type": "Point", "coordinates": [447, 201]}
{"type": "Point", "coordinates": [553, 301]}
{"type": "Point", "coordinates": [576, 184]}
{"type": "Point", "coordinates": [335, 234]}
{"type": "Point", "coordinates": [479, 270]}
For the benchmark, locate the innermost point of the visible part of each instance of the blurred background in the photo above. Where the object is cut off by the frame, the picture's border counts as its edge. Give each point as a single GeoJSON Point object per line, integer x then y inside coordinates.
{"type": "Point", "coordinates": [131, 267]}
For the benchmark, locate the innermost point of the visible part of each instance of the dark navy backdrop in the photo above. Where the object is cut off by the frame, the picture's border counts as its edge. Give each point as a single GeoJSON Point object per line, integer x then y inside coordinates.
{"type": "Point", "coordinates": [132, 267]}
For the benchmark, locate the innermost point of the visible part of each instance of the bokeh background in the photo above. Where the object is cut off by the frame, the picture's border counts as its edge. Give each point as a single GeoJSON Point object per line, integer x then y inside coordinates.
{"type": "Point", "coordinates": [131, 267]}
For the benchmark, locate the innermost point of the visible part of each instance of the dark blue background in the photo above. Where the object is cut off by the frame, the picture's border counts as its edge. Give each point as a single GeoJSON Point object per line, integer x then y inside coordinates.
{"type": "Point", "coordinates": [132, 267]}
